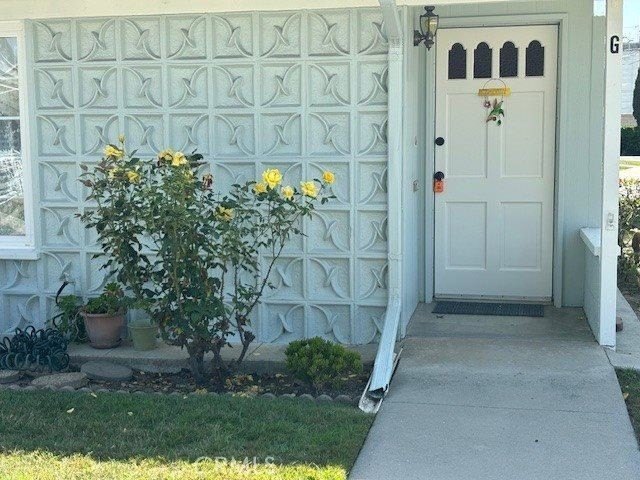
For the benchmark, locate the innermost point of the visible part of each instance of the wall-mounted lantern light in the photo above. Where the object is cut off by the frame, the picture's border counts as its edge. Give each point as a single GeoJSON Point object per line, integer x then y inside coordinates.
{"type": "Point", "coordinates": [428, 28]}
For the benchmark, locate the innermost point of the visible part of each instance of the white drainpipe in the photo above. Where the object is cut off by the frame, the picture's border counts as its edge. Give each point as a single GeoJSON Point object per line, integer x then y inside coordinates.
{"type": "Point", "coordinates": [384, 362]}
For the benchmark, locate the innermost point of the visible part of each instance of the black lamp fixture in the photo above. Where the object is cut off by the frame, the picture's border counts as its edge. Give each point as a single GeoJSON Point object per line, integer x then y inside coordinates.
{"type": "Point", "coordinates": [428, 28]}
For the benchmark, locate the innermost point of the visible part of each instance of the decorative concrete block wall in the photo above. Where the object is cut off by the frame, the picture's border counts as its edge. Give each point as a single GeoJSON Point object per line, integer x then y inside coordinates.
{"type": "Point", "coordinates": [300, 91]}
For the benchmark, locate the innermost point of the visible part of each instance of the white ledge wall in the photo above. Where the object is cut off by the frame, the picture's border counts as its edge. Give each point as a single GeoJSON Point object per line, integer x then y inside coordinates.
{"type": "Point", "coordinates": [300, 91]}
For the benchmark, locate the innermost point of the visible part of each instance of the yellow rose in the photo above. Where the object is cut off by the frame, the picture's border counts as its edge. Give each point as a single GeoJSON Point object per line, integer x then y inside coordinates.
{"type": "Point", "coordinates": [309, 189]}
{"type": "Point", "coordinates": [121, 138]}
{"type": "Point", "coordinates": [272, 177]}
{"type": "Point", "coordinates": [328, 177]}
{"type": "Point", "coordinates": [287, 192]}
{"type": "Point", "coordinates": [260, 187]}
{"type": "Point", "coordinates": [166, 155]}
{"type": "Point", "coordinates": [133, 176]}
{"type": "Point", "coordinates": [113, 152]}
{"type": "Point", "coordinates": [113, 172]}
{"type": "Point", "coordinates": [224, 213]}
{"type": "Point", "coordinates": [178, 159]}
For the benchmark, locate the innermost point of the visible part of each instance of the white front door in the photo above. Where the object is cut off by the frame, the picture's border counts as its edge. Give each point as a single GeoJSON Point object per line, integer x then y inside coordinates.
{"type": "Point", "coordinates": [494, 219]}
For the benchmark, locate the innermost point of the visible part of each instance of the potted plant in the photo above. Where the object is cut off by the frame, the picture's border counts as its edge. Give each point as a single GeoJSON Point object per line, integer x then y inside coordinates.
{"type": "Point", "coordinates": [104, 317]}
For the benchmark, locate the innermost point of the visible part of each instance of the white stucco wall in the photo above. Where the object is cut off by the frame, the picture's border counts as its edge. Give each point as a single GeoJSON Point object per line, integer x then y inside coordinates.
{"type": "Point", "coordinates": [300, 91]}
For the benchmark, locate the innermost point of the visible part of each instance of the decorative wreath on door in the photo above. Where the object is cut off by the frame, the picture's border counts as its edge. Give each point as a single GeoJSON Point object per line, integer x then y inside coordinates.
{"type": "Point", "coordinates": [495, 106]}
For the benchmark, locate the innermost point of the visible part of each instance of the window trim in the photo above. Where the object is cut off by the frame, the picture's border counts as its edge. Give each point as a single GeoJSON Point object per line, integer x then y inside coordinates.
{"type": "Point", "coordinates": [22, 247]}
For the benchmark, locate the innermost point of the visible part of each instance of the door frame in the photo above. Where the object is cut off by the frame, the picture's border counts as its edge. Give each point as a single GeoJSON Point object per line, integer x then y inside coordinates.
{"type": "Point", "coordinates": [561, 20]}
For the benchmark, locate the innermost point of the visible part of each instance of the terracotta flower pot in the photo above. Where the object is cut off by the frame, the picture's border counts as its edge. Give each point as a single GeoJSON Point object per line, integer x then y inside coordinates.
{"type": "Point", "coordinates": [103, 330]}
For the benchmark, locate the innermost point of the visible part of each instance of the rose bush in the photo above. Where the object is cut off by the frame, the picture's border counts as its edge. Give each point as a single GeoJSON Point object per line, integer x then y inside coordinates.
{"type": "Point", "coordinates": [198, 261]}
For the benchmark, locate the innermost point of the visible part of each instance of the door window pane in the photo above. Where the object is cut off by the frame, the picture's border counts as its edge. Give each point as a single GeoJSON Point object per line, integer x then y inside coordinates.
{"type": "Point", "coordinates": [12, 218]}
{"type": "Point", "coordinates": [509, 60]}
{"type": "Point", "coordinates": [457, 62]}
{"type": "Point", "coordinates": [482, 61]}
{"type": "Point", "coordinates": [535, 59]}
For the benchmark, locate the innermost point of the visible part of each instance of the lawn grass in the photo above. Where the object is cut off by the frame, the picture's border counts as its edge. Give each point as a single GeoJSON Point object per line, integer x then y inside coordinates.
{"type": "Point", "coordinates": [630, 384]}
{"type": "Point", "coordinates": [51, 435]}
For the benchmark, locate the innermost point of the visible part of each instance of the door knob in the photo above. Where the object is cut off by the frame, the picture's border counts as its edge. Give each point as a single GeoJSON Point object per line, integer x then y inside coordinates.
{"type": "Point", "coordinates": [439, 141]}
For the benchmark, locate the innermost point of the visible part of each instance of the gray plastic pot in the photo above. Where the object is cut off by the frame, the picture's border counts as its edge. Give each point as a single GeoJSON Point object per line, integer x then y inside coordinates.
{"type": "Point", "coordinates": [144, 336]}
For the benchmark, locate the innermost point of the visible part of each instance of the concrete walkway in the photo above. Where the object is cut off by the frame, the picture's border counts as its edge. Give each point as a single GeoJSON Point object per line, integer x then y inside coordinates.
{"type": "Point", "coordinates": [478, 398]}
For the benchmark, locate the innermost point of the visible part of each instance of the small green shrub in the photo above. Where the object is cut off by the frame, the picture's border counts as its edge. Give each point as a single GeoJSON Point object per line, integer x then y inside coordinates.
{"type": "Point", "coordinates": [321, 363]}
{"type": "Point", "coordinates": [629, 226]}
{"type": "Point", "coordinates": [630, 141]}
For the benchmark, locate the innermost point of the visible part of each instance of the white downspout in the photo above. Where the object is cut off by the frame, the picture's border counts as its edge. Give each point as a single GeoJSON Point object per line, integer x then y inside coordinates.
{"type": "Point", "coordinates": [384, 362]}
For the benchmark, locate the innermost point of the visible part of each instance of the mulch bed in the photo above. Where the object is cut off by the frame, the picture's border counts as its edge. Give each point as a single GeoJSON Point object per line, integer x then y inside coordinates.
{"type": "Point", "coordinates": [241, 384]}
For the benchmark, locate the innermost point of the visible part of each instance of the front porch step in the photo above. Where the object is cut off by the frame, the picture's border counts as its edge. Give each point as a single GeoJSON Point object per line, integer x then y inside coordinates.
{"type": "Point", "coordinates": [260, 358]}
{"type": "Point", "coordinates": [560, 323]}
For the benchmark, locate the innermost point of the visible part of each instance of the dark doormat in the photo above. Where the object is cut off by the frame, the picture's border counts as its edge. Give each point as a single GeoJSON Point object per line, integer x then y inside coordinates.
{"type": "Point", "coordinates": [495, 309]}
